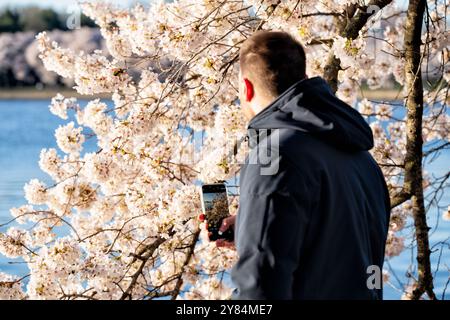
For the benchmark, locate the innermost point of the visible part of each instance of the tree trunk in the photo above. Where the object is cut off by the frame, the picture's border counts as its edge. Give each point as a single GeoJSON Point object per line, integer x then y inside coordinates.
{"type": "Point", "coordinates": [413, 159]}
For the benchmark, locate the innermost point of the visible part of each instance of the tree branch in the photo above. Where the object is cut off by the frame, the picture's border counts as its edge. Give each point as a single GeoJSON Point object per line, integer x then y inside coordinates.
{"type": "Point", "coordinates": [399, 198]}
{"type": "Point", "coordinates": [349, 28]}
{"type": "Point", "coordinates": [176, 290]}
{"type": "Point", "coordinates": [144, 255]}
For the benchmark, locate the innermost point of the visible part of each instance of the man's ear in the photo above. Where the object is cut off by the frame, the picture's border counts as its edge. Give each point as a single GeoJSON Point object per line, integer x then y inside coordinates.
{"type": "Point", "coordinates": [248, 90]}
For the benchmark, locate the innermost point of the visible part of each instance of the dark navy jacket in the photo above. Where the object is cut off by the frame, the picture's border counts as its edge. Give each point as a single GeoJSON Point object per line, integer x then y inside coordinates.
{"type": "Point", "coordinates": [312, 228]}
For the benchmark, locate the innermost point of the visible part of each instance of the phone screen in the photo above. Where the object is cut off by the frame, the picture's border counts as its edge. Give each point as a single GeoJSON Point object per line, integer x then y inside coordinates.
{"type": "Point", "coordinates": [215, 205]}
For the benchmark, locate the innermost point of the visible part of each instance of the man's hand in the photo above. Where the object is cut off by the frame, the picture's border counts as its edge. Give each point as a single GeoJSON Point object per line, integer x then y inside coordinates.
{"type": "Point", "coordinates": [227, 223]}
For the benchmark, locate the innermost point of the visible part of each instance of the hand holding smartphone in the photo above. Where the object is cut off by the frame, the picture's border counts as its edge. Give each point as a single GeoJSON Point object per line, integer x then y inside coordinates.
{"type": "Point", "coordinates": [215, 208]}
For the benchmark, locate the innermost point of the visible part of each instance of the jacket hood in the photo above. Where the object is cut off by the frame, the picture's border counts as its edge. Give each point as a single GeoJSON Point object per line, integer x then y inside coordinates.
{"type": "Point", "coordinates": [310, 106]}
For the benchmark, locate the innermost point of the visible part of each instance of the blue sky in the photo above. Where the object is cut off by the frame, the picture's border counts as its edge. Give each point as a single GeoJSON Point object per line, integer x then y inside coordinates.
{"type": "Point", "coordinates": [58, 4]}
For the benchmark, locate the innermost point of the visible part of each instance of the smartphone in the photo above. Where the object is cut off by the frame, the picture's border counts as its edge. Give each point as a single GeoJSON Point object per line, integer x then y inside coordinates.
{"type": "Point", "coordinates": [215, 207]}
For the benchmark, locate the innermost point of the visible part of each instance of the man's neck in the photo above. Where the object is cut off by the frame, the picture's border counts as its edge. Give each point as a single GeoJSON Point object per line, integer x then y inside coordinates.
{"type": "Point", "coordinates": [261, 105]}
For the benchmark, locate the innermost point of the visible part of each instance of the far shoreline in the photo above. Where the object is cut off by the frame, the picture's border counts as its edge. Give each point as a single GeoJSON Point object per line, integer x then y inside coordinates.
{"type": "Point", "coordinates": [24, 93]}
{"type": "Point", "coordinates": [48, 93]}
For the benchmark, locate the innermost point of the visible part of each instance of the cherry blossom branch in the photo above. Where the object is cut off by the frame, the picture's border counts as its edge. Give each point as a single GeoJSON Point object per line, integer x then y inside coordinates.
{"type": "Point", "coordinates": [349, 29]}
{"type": "Point", "coordinates": [189, 255]}
{"type": "Point", "coordinates": [144, 255]}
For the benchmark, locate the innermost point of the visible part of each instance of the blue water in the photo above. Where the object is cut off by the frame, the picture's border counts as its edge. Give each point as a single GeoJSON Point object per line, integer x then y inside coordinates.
{"type": "Point", "coordinates": [27, 126]}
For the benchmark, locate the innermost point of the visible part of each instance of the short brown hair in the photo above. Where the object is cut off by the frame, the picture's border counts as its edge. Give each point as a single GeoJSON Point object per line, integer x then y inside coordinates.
{"type": "Point", "coordinates": [273, 59]}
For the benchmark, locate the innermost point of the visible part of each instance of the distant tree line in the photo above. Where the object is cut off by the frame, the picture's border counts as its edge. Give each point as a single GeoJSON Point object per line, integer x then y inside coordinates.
{"type": "Point", "coordinates": [36, 19]}
{"type": "Point", "coordinates": [19, 62]}
{"type": "Point", "coordinates": [20, 65]}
